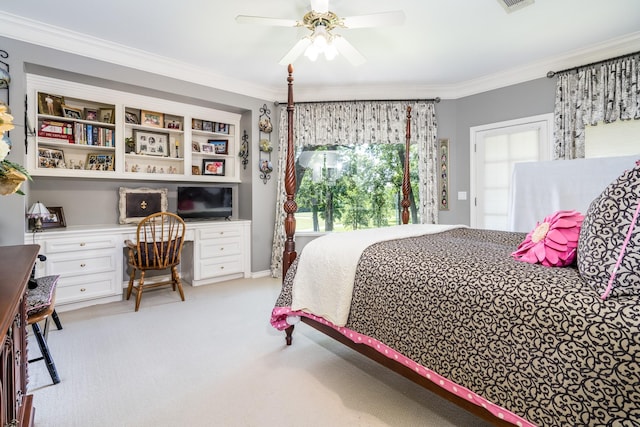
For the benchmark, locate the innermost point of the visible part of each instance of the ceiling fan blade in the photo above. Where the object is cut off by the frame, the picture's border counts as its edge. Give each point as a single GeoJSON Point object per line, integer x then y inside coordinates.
{"type": "Point", "coordinates": [374, 20]}
{"type": "Point", "coordinates": [320, 6]}
{"type": "Point", "coordinates": [263, 20]}
{"type": "Point", "coordinates": [347, 50]}
{"type": "Point", "coordinates": [297, 50]}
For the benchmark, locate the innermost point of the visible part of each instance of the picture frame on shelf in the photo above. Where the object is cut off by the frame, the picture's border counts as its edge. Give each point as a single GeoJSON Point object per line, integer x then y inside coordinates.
{"type": "Point", "coordinates": [222, 128]}
{"type": "Point", "coordinates": [151, 143]}
{"type": "Point", "coordinates": [50, 104]}
{"type": "Point", "coordinates": [195, 170]}
{"type": "Point", "coordinates": [51, 158]}
{"type": "Point", "coordinates": [220, 146]}
{"type": "Point", "coordinates": [151, 118]}
{"type": "Point", "coordinates": [172, 122]}
{"type": "Point", "coordinates": [131, 118]}
{"type": "Point", "coordinates": [207, 148]}
{"type": "Point", "coordinates": [195, 147]}
{"type": "Point", "coordinates": [207, 126]}
{"type": "Point", "coordinates": [71, 112]}
{"type": "Point", "coordinates": [106, 115]}
{"type": "Point", "coordinates": [196, 124]}
{"type": "Point", "coordinates": [137, 203]}
{"type": "Point", "coordinates": [54, 220]}
{"type": "Point", "coordinates": [91, 114]}
{"type": "Point", "coordinates": [99, 162]}
{"type": "Point", "coordinates": [213, 167]}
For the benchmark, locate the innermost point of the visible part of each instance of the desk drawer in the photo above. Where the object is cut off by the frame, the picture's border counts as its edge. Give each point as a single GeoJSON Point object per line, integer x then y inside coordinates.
{"type": "Point", "coordinates": [81, 263]}
{"type": "Point", "coordinates": [219, 247]}
{"type": "Point", "coordinates": [78, 288]}
{"type": "Point", "coordinates": [54, 246]}
{"type": "Point", "coordinates": [221, 266]}
{"type": "Point", "coordinates": [218, 232]}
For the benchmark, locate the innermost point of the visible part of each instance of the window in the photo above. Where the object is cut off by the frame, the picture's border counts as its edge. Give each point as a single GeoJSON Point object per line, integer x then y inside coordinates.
{"type": "Point", "coordinates": [620, 138]}
{"type": "Point", "coordinates": [344, 188]}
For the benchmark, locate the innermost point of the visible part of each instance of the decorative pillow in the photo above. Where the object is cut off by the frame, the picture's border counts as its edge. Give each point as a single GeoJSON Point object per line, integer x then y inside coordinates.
{"type": "Point", "coordinates": [609, 248]}
{"type": "Point", "coordinates": [553, 242]}
{"type": "Point", "coordinates": [39, 298]}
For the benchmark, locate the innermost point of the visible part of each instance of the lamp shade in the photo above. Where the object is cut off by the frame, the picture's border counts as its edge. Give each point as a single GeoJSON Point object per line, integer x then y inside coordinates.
{"type": "Point", "coordinates": [38, 210]}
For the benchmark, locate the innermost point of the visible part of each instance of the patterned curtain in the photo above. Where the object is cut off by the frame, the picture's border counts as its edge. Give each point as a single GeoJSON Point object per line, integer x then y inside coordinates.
{"type": "Point", "coordinates": [360, 122]}
{"type": "Point", "coordinates": [603, 92]}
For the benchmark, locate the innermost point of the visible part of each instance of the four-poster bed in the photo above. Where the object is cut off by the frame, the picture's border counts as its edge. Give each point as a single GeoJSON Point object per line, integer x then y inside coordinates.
{"type": "Point", "coordinates": [450, 309]}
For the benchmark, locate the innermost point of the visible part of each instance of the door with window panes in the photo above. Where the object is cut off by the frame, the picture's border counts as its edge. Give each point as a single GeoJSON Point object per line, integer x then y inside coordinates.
{"type": "Point", "coordinates": [495, 148]}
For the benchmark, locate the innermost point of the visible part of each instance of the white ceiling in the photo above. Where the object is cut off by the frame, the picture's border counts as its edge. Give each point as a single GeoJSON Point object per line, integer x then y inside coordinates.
{"type": "Point", "coordinates": [445, 48]}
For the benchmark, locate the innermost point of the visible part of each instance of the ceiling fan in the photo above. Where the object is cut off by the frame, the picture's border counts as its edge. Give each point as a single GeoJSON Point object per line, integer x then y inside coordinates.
{"type": "Point", "coordinates": [321, 22]}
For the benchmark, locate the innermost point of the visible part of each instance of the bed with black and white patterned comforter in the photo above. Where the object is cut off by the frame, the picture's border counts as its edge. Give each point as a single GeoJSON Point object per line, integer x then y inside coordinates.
{"type": "Point", "coordinates": [534, 340]}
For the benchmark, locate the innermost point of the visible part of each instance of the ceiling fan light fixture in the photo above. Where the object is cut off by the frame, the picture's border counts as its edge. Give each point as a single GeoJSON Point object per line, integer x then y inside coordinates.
{"type": "Point", "coordinates": [321, 44]}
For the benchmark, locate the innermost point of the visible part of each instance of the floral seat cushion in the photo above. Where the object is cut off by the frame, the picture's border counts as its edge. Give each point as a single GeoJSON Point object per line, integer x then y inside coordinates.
{"type": "Point", "coordinates": [40, 297]}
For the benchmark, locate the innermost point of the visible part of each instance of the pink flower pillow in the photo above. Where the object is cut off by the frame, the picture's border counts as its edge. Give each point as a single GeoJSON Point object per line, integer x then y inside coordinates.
{"type": "Point", "coordinates": [553, 242]}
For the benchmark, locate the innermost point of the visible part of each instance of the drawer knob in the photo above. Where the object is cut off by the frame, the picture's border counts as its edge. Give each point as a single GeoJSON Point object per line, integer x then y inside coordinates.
{"type": "Point", "coordinates": [83, 289]}
{"type": "Point", "coordinates": [83, 265]}
{"type": "Point", "coordinates": [82, 244]}
{"type": "Point", "coordinates": [222, 268]}
{"type": "Point", "coordinates": [222, 249]}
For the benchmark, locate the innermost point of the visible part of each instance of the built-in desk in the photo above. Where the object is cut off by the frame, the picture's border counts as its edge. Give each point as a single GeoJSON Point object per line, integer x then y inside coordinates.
{"type": "Point", "coordinates": [91, 259]}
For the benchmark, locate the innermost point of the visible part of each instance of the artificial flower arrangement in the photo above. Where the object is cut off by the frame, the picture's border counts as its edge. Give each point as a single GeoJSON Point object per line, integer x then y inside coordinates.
{"type": "Point", "coordinates": [12, 175]}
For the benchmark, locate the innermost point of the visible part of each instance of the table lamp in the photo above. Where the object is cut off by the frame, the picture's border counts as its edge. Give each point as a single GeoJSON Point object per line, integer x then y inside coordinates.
{"type": "Point", "coordinates": [37, 211]}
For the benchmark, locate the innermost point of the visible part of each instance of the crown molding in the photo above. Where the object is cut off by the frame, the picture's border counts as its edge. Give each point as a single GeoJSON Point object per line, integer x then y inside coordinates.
{"type": "Point", "coordinates": [42, 34]}
{"type": "Point", "coordinates": [52, 37]}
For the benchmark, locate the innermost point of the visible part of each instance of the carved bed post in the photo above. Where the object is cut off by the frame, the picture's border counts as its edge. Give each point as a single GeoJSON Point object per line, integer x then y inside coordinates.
{"type": "Point", "coordinates": [406, 183]}
{"type": "Point", "coordinates": [290, 206]}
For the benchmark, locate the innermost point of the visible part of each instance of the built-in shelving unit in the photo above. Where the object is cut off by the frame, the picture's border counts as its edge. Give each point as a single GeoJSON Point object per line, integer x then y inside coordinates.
{"type": "Point", "coordinates": [86, 131]}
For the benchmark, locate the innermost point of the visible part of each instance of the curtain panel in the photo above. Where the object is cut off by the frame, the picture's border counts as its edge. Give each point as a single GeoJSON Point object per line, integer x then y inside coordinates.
{"type": "Point", "coordinates": [604, 92]}
{"type": "Point", "coordinates": [354, 123]}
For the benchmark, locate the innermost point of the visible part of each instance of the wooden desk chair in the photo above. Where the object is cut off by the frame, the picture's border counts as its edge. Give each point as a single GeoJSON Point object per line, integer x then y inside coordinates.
{"type": "Point", "coordinates": [41, 306]}
{"type": "Point", "coordinates": [159, 240]}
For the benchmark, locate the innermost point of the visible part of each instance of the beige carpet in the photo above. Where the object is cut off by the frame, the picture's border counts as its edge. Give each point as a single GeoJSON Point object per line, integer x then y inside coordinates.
{"type": "Point", "coordinates": [214, 360]}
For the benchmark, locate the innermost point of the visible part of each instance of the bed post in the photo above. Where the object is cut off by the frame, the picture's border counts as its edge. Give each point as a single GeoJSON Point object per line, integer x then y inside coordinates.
{"type": "Point", "coordinates": [406, 183]}
{"type": "Point", "coordinates": [290, 206]}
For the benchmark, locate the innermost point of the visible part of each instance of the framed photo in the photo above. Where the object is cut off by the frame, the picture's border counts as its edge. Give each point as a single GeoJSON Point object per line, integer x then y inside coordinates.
{"type": "Point", "coordinates": [151, 143]}
{"type": "Point", "coordinates": [220, 146]}
{"type": "Point", "coordinates": [50, 104]}
{"type": "Point", "coordinates": [91, 114]}
{"type": "Point", "coordinates": [131, 118]}
{"type": "Point", "coordinates": [100, 162]}
{"type": "Point", "coordinates": [222, 128]}
{"type": "Point", "coordinates": [213, 167]}
{"type": "Point", "coordinates": [151, 118]}
{"type": "Point", "coordinates": [443, 174]}
{"type": "Point", "coordinates": [195, 147]}
{"type": "Point", "coordinates": [138, 203]}
{"type": "Point", "coordinates": [207, 148]}
{"type": "Point", "coordinates": [172, 122]}
{"type": "Point", "coordinates": [207, 126]}
{"type": "Point", "coordinates": [71, 112]}
{"type": "Point", "coordinates": [195, 170]}
{"type": "Point", "coordinates": [51, 158]}
{"type": "Point", "coordinates": [196, 124]}
{"type": "Point", "coordinates": [106, 115]}
{"type": "Point", "coordinates": [54, 220]}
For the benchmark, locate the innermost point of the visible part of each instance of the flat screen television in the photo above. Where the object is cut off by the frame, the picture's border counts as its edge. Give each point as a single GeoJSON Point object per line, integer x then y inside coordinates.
{"type": "Point", "coordinates": [204, 202]}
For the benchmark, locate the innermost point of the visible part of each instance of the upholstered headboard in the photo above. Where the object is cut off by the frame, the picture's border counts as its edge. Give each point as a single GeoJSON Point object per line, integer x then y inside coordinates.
{"type": "Point", "coordinates": [541, 188]}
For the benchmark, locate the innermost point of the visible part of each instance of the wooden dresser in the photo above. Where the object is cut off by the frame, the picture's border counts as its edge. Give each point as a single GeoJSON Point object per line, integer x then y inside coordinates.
{"type": "Point", "coordinates": [16, 406]}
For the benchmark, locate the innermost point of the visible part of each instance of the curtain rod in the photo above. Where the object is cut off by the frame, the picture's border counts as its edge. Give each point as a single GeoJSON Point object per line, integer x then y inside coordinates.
{"type": "Point", "coordinates": [551, 74]}
{"type": "Point", "coordinates": [436, 100]}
